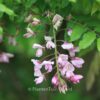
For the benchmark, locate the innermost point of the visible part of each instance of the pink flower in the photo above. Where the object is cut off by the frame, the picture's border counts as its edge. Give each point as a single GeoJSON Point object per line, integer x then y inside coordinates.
{"type": "Point", "coordinates": [62, 58]}
{"type": "Point", "coordinates": [72, 51]}
{"type": "Point", "coordinates": [62, 88]}
{"type": "Point", "coordinates": [57, 21]}
{"type": "Point", "coordinates": [37, 72]}
{"type": "Point", "coordinates": [48, 65]}
{"type": "Point", "coordinates": [77, 62]}
{"type": "Point", "coordinates": [35, 21]}
{"type": "Point", "coordinates": [76, 78]}
{"type": "Point", "coordinates": [37, 63]}
{"type": "Point", "coordinates": [4, 57]}
{"type": "Point", "coordinates": [69, 32]}
{"type": "Point", "coordinates": [39, 79]}
{"type": "Point", "coordinates": [29, 33]}
{"type": "Point", "coordinates": [55, 80]}
{"type": "Point", "coordinates": [69, 74]}
{"type": "Point", "coordinates": [49, 43]}
{"type": "Point", "coordinates": [39, 48]}
{"type": "Point", "coordinates": [67, 46]}
{"type": "Point", "coordinates": [67, 68]}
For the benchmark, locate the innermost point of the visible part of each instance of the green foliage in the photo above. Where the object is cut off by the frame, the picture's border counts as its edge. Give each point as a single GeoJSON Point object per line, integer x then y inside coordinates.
{"type": "Point", "coordinates": [78, 30]}
{"type": "Point", "coordinates": [1, 30]}
{"type": "Point", "coordinates": [87, 40]}
{"type": "Point", "coordinates": [98, 44]}
{"type": "Point", "coordinates": [6, 10]}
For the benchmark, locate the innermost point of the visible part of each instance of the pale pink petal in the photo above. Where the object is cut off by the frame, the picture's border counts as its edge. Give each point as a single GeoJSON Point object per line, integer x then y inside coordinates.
{"type": "Point", "coordinates": [36, 46]}
{"type": "Point", "coordinates": [67, 46]}
{"type": "Point", "coordinates": [48, 65]}
{"type": "Point", "coordinates": [69, 32]}
{"type": "Point", "coordinates": [39, 79]}
{"type": "Point", "coordinates": [55, 80]}
{"type": "Point", "coordinates": [62, 88]}
{"type": "Point", "coordinates": [73, 51]}
{"type": "Point", "coordinates": [76, 78]}
{"type": "Point", "coordinates": [39, 52]}
{"type": "Point", "coordinates": [50, 45]}
{"type": "Point", "coordinates": [77, 62]}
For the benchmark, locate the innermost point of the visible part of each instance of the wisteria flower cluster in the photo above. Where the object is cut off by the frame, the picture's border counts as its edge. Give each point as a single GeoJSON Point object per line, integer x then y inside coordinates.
{"type": "Point", "coordinates": [63, 64]}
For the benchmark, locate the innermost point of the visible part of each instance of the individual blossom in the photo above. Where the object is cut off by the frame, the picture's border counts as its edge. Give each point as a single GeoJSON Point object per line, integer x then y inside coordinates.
{"type": "Point", "coordinates": [73, 50]}
{"type": "Point", "coordinates": [62, 87]}
{"type": "Point", "coordinates": [76, 78]}
{"type": "Point", "coordinates": [39, 79]}
{"type": "Point", "coordinates": [64, 65]}
{"type": "Point", "coordinates": [69, 32]}
{"type": "Point", "coordinates": [77, 62]}
{"type": "Point", "coordinates": [48, 65]}
{"type": "Point", "coordinates": [70, 47]}
{"type": "Point", "coordinates": [55, 80]}
{"type": "Point", "coordinates": [37, 72]}
{"type": "Point", "coordinates": [29, 33]}
{"type": "Point", "coordinates": [35, 21]}
{"type": "Point", "coordinates": [39, 48]}
{"type": "Point", "coordinates": [67, 45]}
{"type": "Point", "coordinates": [37, 63]}
{"type": "Point", "coordinates": [67, 69]}
{"type": "Point", "coordinates": [57, 21]}
{"type": "Point", "coordinates": [62, 58]}
{"type": "Point", "coordinates": [4, 57]}
{"type": "Point", "coordinates": [59, 83]}
{"type": "Point", "coordinates": [49, 43]}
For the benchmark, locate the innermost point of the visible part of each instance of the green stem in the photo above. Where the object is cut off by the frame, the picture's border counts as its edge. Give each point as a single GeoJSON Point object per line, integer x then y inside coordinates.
{"type": "Point", "coordinates": [56, 57]}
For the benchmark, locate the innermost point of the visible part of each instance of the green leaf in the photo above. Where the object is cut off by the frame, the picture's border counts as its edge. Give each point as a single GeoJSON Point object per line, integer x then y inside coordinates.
{"type": "Point", "coordinates": [97, 28]}
{"type": "Point", "coordinates": [87, 40]}
{"type": "Point", "coordinates": [6, 10]}
{"type": "Point", "coordinates": [95, 8]}
{"type": "Point", "coordinates": [29, 3]}
{"type": "Point", "coordinates": [98, 1]}
{"type": "Point", "coordinates": [73, 1]}
{"type": "Point", "coordinates": [78, 30]}
{"type": "Point", "coordinates": [98, 44]}
{"type": "Point", "coordinates": [1, 30]}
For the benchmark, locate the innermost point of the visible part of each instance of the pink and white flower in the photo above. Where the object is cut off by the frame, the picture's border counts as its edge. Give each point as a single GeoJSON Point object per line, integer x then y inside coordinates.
{"type": "Point", "coordinates": [49, 44]}
{"type": "Point", "coordinates": [76, 78]}
{"type": "Point", "coordinates": [48, 65]}
{"type": "Point", "coordinates": [39, 79]}
{"type": "Point", "coordinates": [37, 63]}
{"type": "Point", "coordinates": [4, 57]}
{"type": "Point", "coordinates": [39, 48]}
{"type": "Point", "coordinates": [35, 21]}
{"type": "Point", "coordinates": [62, 88]}
{"type": "Point", "coordinates": [29, 33]}
{"type": "Point", "coordinates": [67, 46]}
{"type": "Point", "coordinates": [77, 62]}
{"type": "Point", "coordinates": [69, 32]}
{"type": "Point", "coordinates": [60, 84]}
{"type": "Point", "coordinates": [72, 51]}
{"type": "Point", "coordinates": [62, 58]}
{"type": "Point", "coordinates": [67, 69]}
{"type": "Point", "coordinates": [55, 80]}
